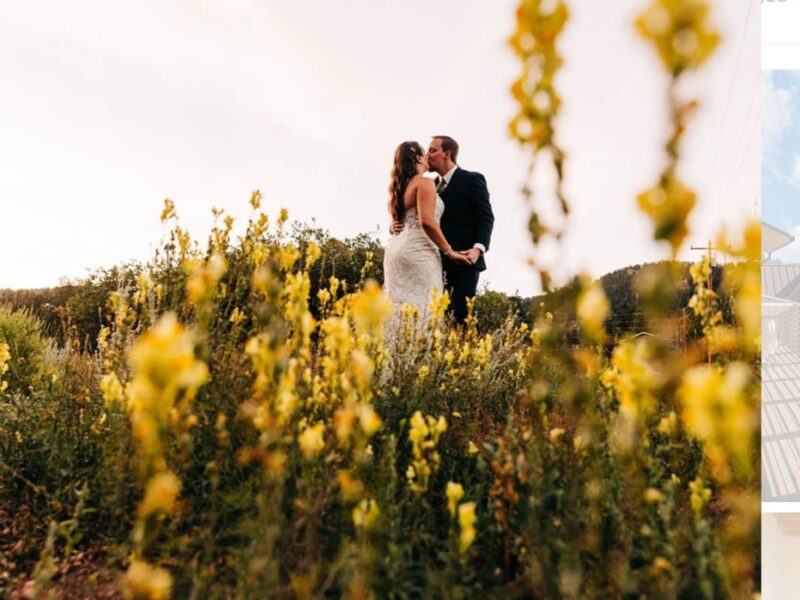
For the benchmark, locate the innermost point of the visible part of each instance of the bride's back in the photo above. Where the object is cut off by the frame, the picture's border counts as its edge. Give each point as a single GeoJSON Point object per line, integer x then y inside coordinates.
{"type": "Point", "coordinates": [410, 195]}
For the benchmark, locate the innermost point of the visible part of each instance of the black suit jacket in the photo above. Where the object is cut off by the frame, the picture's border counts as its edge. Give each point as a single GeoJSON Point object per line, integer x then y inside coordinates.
{"type": "Point", "coordinates": [468, 216]}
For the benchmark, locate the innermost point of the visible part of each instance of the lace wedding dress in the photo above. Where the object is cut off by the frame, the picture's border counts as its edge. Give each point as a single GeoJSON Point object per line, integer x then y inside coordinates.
{"type": "Point", "coordinates": [412, 266]}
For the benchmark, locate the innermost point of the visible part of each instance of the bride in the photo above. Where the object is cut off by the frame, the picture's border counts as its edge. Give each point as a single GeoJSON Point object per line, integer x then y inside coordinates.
{"type": "Point", "coordinates": [412, 264]}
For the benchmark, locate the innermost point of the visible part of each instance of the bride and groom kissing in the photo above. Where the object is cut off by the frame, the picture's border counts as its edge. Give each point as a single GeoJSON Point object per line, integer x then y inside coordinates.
{"type": "Point", "coordinates": [440, 228]}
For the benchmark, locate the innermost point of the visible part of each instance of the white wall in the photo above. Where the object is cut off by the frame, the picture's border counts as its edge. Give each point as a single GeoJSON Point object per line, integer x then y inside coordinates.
{"type": "Point", "coordinates": [780, 556]}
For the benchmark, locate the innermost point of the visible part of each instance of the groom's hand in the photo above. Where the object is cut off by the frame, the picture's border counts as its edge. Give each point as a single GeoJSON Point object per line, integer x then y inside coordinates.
{"type": "Point", "coordinates": [473, 254]}
{"type": "Point", "coordinates": [396, 227]}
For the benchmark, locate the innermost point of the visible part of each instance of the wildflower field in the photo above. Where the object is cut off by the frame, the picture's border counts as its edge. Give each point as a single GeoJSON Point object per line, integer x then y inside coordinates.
{"type": "Point", "coordinates": [243, 426]}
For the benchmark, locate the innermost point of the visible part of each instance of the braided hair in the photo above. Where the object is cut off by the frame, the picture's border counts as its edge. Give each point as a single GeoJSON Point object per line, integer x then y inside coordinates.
{"type": "Point", "coordinates": [404, 169]}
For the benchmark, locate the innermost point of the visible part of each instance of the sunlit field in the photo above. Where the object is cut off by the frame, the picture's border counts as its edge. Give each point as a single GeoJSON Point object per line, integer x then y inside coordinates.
{"type": "Point", "coordinates": [252, 418]}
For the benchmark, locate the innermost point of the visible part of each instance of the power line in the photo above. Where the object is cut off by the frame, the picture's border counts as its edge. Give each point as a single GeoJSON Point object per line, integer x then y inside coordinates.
{"type": "Point", "coordinates": [730, 93]}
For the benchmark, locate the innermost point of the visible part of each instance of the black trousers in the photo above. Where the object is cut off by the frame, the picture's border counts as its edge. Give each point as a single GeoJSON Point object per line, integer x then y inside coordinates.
{"type": "Point", "coordinates": [461, 283]}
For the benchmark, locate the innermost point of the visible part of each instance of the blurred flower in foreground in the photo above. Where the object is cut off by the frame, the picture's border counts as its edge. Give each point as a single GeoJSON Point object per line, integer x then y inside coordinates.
{"type": "Point", "coordinates": [454, 492]}
{"type": "Point", "coordinates": [161, 493]}
{"type": "Point", "coordinates": [680, 31]}
{"type": "Point", "coordinates": [365, 513]}
{"type": "Point", "coordinates": [145, 582]}
{"type": "Point", "coordinates": [166, 371]}
{"type": "Point", "coordinates": [111, 388]}
{"type": "Point", "coordinates": [312, 440]}
{"type": "Point", "coordinates": [466, 524]}
{"type": "Point", "coordinates": [370, 309]}
{"type": "Point", "coordinates": [204, 276]}
{"type": "Point", "coordinates": [718, 411]}
{"type": "Point", "coordinates": [593, 308]}
{"type": "Point", "coordinates": [669, 205]}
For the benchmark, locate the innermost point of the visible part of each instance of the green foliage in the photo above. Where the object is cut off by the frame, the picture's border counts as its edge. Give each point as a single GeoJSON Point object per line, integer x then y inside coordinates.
{"type": "Point", "coordinates": [492, 308]}
{"type": "Point", "coordinates": [23, 334]}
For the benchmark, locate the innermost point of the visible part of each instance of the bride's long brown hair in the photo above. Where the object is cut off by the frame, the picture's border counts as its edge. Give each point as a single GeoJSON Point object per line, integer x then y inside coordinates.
{"type": "Point", "coordinates": [403, 170]}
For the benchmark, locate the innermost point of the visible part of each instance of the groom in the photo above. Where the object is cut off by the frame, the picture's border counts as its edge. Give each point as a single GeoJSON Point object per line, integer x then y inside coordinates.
{"type": "Point", "coordinates": [466, 223]}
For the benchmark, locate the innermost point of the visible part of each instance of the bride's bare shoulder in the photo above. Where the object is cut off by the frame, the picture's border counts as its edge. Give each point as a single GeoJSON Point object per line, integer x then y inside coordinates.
{"type": "Point", "coordinates": [422, 182]}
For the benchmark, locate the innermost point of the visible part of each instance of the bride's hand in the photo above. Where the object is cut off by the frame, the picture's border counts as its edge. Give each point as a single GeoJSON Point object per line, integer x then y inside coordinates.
{"type": "Point", "coordinates": [396, 227]}
{"type": "Point", "coordinates": [457, 257]}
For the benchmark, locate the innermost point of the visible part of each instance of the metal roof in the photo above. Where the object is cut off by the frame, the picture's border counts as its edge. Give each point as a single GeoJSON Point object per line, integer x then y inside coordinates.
{"type": "Point", "coordinates": [773, 239]}
{"type": "Point", "coordinates": [780, 281]}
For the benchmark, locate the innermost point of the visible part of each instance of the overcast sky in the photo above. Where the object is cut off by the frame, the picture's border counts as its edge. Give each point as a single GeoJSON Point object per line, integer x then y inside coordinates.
{"type": "Point", "coordinates": [106, 108]}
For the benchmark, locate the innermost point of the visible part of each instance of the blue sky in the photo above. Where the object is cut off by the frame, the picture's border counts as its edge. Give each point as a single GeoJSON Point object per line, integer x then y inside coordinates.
{"type": "Point", "coordinates": [781, 156]}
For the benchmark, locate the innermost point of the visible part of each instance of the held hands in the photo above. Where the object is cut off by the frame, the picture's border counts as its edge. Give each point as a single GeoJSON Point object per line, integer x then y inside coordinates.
{"type": "Point", "coordinates": [473, 254]}
{"type": "Point", "coordinates": [461, 257]}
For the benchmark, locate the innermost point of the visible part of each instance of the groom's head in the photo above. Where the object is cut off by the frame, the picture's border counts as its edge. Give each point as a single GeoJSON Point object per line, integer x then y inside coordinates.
{"type": "Point", "coordinates": [442, 154]}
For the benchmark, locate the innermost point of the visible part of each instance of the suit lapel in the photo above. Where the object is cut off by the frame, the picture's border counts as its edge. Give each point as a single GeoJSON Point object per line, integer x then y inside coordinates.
{"type": "Point", "coordinates": [454, 182]}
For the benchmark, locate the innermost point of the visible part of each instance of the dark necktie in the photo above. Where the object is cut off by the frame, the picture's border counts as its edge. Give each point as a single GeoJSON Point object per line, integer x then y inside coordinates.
{"type": "Point", "coordinates": [440, 185]}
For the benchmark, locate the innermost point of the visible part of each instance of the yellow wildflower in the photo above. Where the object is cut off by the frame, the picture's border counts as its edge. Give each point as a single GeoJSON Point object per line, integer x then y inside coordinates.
{"type": "Point", "coordinates": [350, 487]}
{"type": "Point", "coordinates": [634, 378]}
{"type": "Point", "coordinates": [472, 448]}
{"type": "Point", "coordinates": [255, 199]}
{"type": "Point", "coordinates": [204, 276]}
{"type": "Point", "coordinates": [555, 434]}
{"type": "Point", "coordinates": [368, 419]}
{"type": "Point", "coordinates": [419, 429]}
{"type": "Point", "coordinates": [145, 582]}
{"type": "Point", "coordinates": [466, 524]}
{"type": "Point", "coordinates": [343, 421]}
{"type": "Point", "coordinates": [370, 309]}
{"type": "Point", "coordinates": [592, 310]}
{"type": "Point", "coordinates": [680, 32]}
{"type": "Point", "coordinates": [668, 424]}
{"type": "Point", "coordinates": [699, 496]}
{"type": "Point", "coordinates": [438, 305]}
{"type": "Point", "coordinates": [454, 493]}
{"type": "Point", "coordinates": [165, 356]}
{"type": "Point", "coordinates": [312, 440]}
{"type": "Point", "coordinates": [653, 496]}
{"type": "Point", "coordinates": [324, 296]}
{"type": "Point", "coordinates": [237, 316]}
{"type": "Point", "coordinates": [144, 284]}
{"type": "Point", "coordinates": [160, 494]}
{"type": "Point", "coordinates": [718, 411]}
{"type": "Point", "coordinates": [365, 513]}
{"type": "Point", "coordinates": [361, 367]}
{"type": "Point", "coordinates": [313, 254]}
{"type": "Point", "coordinates": [668, 205]}
{"type": "Point", "coordinates": [441, 425]}
{"type": "Point", "coordinates": [423, 373]}
{"type": "Point", "coordinates": [111, 388]}
{"type": "Point", "coordinates": [169, 211]}
{"type": "Point", "coordinates": [5, 357]}
{"type": "Point", "coordinates": [660, 565]}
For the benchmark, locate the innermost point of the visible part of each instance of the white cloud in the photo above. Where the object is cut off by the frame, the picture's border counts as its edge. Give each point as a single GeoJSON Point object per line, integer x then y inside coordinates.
{"type": "Point", "coordinates": [794, 176]}
{"type": "Point", "coordinates": [777, 108]}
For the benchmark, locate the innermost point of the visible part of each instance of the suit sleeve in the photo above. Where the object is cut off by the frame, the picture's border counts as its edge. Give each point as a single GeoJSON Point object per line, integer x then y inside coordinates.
{"type": "Point", "coordinates": [482, 209]}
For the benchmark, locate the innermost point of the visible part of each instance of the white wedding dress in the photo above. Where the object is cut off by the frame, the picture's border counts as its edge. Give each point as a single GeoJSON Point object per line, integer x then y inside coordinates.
{"type": "Point", "coordinates": [412, 266]}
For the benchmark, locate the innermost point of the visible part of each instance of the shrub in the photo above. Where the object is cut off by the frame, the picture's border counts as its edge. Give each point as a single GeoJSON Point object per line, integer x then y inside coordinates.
{"type": "Point", "coordinates": [23, 334]}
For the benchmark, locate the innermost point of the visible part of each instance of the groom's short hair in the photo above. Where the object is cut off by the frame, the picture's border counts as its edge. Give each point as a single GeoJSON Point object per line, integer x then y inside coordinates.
{"type": "Point", "coordinates": [450, 144]}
